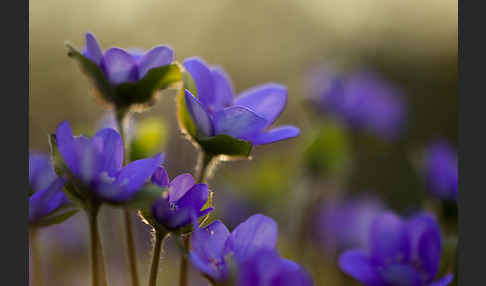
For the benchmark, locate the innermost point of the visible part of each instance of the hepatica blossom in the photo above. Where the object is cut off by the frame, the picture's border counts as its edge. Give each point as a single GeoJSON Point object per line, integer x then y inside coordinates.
{"type": "Point", "coordinates": [266, 267]}
{"type": "Point", "coordinates": [122, 66]}
{"type": "Point", "coordinates": [247, 117]}
{"type": "Point", "coordinates": [363, 100]}
{"type": "Point", "coordinates": [126, 78]}
{"type": "Point", "coordinates": [250, 247]}
{"type": "Point", "coordinates": [96, 164]}
{"type": "Point", "coordinates": [183, 200]}
{"type": "Point", "coordinates": [46, 194]}
{"type": "Point", "coordinates": [400, 252]}
{"type": "Point", "coordinates": [441, 173]}
{"type": "Point", "coordinates": [342, 224]}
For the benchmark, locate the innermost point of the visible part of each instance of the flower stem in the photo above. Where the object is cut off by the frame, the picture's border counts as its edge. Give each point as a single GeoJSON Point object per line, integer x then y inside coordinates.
{"type": "Point", "coordinates": [36, 261]}
{"type": "Point", "coordinates": [203, 168]}
{"type": "Point", "coordinates": [184, 262]}
{"type": "Point", "coordinates": [121, 115]}
{"type": "Point", "coordinates": [132, 256]}
{"type": "Point", "coordinates": [159, 239]}
{"type": "Point", "coordinates": [97, 264]}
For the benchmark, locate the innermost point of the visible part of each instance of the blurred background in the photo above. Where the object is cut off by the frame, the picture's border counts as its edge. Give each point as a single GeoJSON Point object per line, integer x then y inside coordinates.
{"type": "Point", "coordinates": [410, 45]}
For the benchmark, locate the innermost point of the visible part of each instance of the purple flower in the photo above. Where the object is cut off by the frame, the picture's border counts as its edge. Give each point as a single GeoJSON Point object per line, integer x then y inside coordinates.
{"type": "Point", "coordinates": [46, 194]}
{"type": "Point", "coordinates": [215, 251]}
{"type": "Point", "coordinates": [183, 200]}
{"type": "Point", "coordinates": [346, 224]}
{"type": "Point", "coordinates": [363, 100]}
{"type": "Point", "coordinates": [400, 252]}
{"type": "Point", "coordinates": [96, 164]}
{"type": "Point", "coordinates": [441, 173]}
{"type": "Point", "coordinates": [245, 117]}
{"type": "Point", "coordinates": [121, 66]}
{"type": "Point", "coordinates": [267, 268]}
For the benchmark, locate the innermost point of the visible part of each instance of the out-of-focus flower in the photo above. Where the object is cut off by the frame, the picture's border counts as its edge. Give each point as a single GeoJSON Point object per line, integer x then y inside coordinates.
{"type": "Point", "coordinates": [121, 66]}
{"type": "Point", "coordinates": [247, 117]}
{"type": "Point", "coordinates": [181, 202]}
{"type": "Point", "coordinates": [216, 252]}
{"type": "Point", "coordinates": [126, 78]}
{"type": "Point", "coordinates": [441, 173]}
{"type": "Point", "coordinates": [267, 268]}
{"type": "Point", "coordinates": [363, 100]}
{"type": "Point", "coordinates": [344, 224]}
{"type": "Point", "coordinates": [400, 252]}
{"type": "Point", "coordinates": [46, 194]}
{"type": "Point", "coordinates": [96, 164]}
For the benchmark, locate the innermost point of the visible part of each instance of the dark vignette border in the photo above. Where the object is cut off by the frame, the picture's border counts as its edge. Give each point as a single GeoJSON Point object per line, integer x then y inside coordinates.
{"type": "Point", "coordinates": [471, 103]}
{"type": "Point", "coordinates": [14, 23]}
{"type": "Point", "coordinates": [15, 80]}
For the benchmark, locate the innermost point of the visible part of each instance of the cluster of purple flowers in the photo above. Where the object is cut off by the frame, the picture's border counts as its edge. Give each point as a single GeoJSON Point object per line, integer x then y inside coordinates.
{"type": "Point", "coordinates": [386, 250]}
{"type": "Point", "coordinates": [95, 171]}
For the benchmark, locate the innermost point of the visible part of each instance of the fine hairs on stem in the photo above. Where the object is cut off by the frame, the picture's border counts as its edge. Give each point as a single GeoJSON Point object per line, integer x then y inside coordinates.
{"type": "Point", "coordinates": [158, 248]}
{"type": "Point", "coordinates": [121, 115]}
{"type": "Point", "coordinates": [36, 260]}
{"type": "Point", "coordinates": [97, 257]}
{"type": "Point", "coordinates": [205, 166]}
{"type": "Point", "coordinates": [183, 274]}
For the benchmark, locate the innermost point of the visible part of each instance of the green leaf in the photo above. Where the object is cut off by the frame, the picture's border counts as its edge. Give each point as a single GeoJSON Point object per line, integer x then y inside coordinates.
{"type": "Point", "coordinates": [184, 118]}
{"type": "Point", "coordinates": [143, 91]}
{"type": "Point", "coordinates": [58, 216]}
{"type": "Point", "coordinates": [144, 198]}
{"type": "Point", "coordinates": [56, 159]}
{"type": "Point", "coordinates": [223, 144]}
{"type": "Point", "coordinates": [94, 73]}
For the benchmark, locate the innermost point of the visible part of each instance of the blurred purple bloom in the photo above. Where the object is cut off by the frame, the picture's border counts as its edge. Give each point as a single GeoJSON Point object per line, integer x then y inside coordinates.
{"type": "Point", "coordinates": [120, 66]}
{"type": "Point", "coordinates": [183, 200]}
{"type": "Point", "coordinates": [441, 173]}
{"type": "Point", "coordinates": [46, 188]}
{"type": "Point", "coordinates": [245, 117]}
{"type": "Point", "coordinates": [215, 250]}
{"type": "Point", "coordinates": [346, 224]}
{"type": "Point", "coordinates": [400, 252]}
{"type": "Point", "coordinates": [97, 163]}
{"type": "Point", "coordinates": [362, 100]}
{"type": "Point", "coordinates": [267, 268]}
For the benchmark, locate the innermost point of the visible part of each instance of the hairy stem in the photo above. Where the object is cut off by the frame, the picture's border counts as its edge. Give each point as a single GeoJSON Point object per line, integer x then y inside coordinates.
{"type": "Point", "coordinates": [97, 258]}
{"type": "Point", "coordinates": [36, 260]}
{"type": "Point", "coordinates": [203, 168]}
{"type": "Point", "coordinates": [154, 269]}
{"type": "Point", "coordinates": [183, 274]}
{"type": "Point", "coordinates": [121, 117]}
{"type": "Point", "coordinates": [132, 255]}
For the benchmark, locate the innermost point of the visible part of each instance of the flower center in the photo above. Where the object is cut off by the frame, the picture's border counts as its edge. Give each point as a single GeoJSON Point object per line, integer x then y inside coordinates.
{"type": "Point", "coordinates": [173, 206]}
{"type": "Point", "coordinates": [105, 178]}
